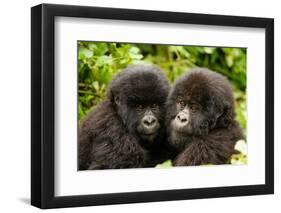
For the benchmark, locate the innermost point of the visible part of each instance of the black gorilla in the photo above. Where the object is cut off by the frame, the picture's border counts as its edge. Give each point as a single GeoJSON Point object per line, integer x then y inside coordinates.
{"type": "Point", "coordinates": [121, 131]}
{"type": "Point", "coordinates": [200, 119]}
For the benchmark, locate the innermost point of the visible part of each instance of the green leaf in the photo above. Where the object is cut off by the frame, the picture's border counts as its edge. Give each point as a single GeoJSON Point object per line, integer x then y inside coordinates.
{"type": "Point", "coordinates": [166, 164]}
{"type": "Point", "coordinates": [103, 60]}
{"type": "Point", "coordinates": [209, 50]}
{"type": "Point", "coordinates": [229, 60]}
{"type": "Point", "coordinates": [85, 52]}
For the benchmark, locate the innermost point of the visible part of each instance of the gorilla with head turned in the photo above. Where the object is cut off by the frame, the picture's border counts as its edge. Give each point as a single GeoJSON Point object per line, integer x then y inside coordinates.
{"type": "Point", "coordinates": [200, 119]}
{"type": "Point", "coordinates": [128, 125]}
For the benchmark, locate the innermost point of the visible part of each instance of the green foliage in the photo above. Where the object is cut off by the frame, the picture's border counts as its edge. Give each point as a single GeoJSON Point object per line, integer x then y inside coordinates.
{"type": "Point", "coordinates": [166, 164]}
{"type": "Point", "coordinates": [241, 156]}
{"type": "Point", "coordinates": [98, 62]}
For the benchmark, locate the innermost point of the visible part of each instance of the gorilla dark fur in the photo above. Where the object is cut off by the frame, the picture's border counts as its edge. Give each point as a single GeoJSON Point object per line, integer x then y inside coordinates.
{"type": "Point", "coordinates": [200, 119]}
{"type": "Point", "coordinates": [120, 131]}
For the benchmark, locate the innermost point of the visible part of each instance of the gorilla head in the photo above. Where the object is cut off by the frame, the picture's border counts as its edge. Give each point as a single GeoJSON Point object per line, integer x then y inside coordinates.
{"type": "Point", "coordinates": [200, 119]}
{"type": "Point", "coordinates": [138, 94]}
{"type": "Point", "coordinates": [199, 102]}
{"type": "Point", "coordinates": [130, 121]}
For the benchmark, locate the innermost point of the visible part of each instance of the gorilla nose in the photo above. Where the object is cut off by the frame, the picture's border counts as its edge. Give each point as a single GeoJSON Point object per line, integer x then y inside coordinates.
{"type": "Point", "coordinates": [182, 118]}
{"type": "Point", "coordinates": [149, 121]}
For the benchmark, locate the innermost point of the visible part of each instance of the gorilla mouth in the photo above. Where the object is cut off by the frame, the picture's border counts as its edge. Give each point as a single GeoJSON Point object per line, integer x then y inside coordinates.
{"type": "Point", "coordinates": [181, 128]}
{"type": "Point", "coordinates": [179, 125]}
{"type": "Point", "coordinates": [149, 134]}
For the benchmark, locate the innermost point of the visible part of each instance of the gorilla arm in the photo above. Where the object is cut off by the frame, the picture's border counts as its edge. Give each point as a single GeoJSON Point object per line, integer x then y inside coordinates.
{"type": "Point", "coordinates": [122, 153]}
{"type": "Point", "coordinates": [105, 144]}
{"type": "Point", "coordinates": [213, 148]}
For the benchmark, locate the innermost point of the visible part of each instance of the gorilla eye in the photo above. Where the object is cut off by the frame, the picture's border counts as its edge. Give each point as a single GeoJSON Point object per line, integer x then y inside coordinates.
{"type": "Point", "coordinates": [197, 97]}
{"type": "Point", "coordinates": [154, 106]}
{"type": "Point", "coordinates": [193, 107]}
{"type": "Point", "coordinates": [140, 106]}
{"type": "Point", "coordinates": [181, 102]}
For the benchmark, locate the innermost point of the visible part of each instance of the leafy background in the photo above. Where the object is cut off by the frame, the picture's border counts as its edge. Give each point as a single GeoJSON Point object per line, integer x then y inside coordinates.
{"type": "Point", "coordinates": [98, 62]}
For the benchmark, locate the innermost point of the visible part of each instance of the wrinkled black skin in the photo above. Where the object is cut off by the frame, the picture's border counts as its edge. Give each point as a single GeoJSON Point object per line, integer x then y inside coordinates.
{"type": "Point", "coordinates": [108, 136]}
{"type": "Point", "coordinates": [212, 132]}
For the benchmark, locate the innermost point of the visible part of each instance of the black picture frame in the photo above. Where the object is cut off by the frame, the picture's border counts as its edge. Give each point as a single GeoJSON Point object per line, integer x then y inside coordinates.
{"type": "Point", "coordinates": [43, 102]}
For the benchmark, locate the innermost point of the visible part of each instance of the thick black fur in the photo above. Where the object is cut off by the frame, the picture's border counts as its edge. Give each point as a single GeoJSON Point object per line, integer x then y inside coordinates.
{"type": "Point", "coordinates": [108, 136]}
{"type": "Point", "coordinates": [212, 132]}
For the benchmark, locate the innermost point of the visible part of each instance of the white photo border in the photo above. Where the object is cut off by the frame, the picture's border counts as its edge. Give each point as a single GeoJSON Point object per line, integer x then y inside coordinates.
{"type": "Point", "coordinates": [68, 181]}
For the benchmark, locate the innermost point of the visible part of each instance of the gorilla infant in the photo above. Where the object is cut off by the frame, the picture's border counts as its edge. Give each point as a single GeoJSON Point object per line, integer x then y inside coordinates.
{"type": "Point", "coordinates": [120, 131]}
{"type": "Point", "coordinates": [200, 119]}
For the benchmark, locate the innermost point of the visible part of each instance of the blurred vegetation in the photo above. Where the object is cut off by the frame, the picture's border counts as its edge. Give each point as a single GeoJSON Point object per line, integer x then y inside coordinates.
{"type": "Point", "coordinates": [98, 62]}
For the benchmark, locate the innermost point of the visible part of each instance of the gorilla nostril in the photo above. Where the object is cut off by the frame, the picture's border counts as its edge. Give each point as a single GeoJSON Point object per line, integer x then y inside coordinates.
{"type": "Point", "coordinates": [182, 119]}
{"type": "Point", "coordinates": [149, 121]}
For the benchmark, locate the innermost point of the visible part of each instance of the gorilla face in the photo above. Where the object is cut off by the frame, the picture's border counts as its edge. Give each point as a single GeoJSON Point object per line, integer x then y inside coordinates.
{"type": "Point", "coordinates": [199, 102]}
{"type": "Point", "coordinates": [147, 120]}
{"type": "Point", "coordinates": [190, 118]}
{"type": "Point", "coordinates": [141, 116]}
{"type": "Point", "coordinates": [139, 97]}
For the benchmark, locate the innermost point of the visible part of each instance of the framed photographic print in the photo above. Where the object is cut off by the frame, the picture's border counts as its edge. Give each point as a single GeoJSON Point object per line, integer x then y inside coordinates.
{"type": "Point", "coordinates": [140, 106]}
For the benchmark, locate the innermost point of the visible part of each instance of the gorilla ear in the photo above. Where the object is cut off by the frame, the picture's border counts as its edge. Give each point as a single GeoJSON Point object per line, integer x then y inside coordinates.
{"type": "Point", "coordinates": [117, 100]}
{"type": "Point", "coordinates": [226, 117]}
{"type": "Point", "coordinates": [114, 98]}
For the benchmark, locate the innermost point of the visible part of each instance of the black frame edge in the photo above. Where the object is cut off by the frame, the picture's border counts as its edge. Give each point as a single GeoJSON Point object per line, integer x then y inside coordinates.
{"type": "Point", "coordinates": [158, 196]}
{"type": "Point", "coordinates": [42, 105]}
{"type": "Point", "coordinates": [269, 99]}
{"type": "Point", "coordinates": [36, 49]}
{"type": "Point", "coordinates": [156, 16]}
